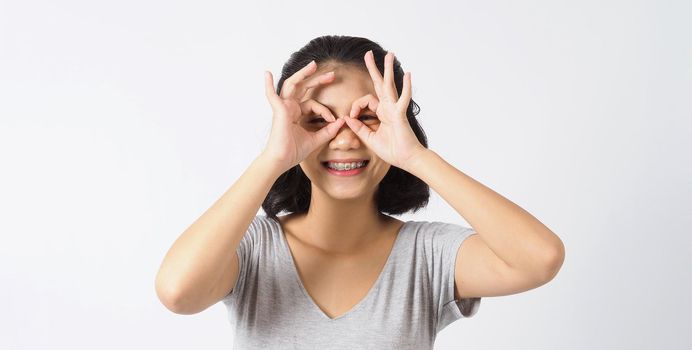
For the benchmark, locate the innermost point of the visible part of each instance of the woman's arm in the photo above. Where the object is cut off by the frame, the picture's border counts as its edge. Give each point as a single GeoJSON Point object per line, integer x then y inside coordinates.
{"type": "Point", "coordinates": [512, 251]}
{"type": "Point", "coordinates": [514, 235]}
{"type": "Point", "coordinates": [201, 266]}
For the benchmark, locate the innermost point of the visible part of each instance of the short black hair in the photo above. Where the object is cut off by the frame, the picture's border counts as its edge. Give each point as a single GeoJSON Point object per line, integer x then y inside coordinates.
{"type": "Point", "coordinates": [399, 191]}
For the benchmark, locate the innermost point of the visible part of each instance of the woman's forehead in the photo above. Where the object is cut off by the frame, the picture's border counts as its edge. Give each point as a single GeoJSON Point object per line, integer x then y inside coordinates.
{"type": "Point", "coordinates": [349, 84]}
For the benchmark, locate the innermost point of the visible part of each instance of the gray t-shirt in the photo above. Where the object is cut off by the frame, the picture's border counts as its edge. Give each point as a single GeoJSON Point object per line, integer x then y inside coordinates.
{"type": "Point", "coordinates": [411, 301]}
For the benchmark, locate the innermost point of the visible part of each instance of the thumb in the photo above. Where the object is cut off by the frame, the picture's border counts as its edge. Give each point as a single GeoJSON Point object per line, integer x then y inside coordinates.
{"type": "Point", "coordinates": [362, 131]}
{"type": "Point", "coordinates": [328, 132]}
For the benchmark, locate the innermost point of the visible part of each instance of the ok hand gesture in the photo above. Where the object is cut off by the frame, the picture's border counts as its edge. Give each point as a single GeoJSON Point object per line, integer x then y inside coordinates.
{"type": "Point", "coordinates": [289, 143]}
{"type": "Point", "coordinates": [394, 140]}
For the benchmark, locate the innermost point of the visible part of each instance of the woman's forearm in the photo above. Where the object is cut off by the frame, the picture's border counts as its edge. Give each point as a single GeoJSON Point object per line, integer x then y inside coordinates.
{"type": "Point", "coordinates": [193, 265]}
{"type": "Point", "coordinates": [512, 233]}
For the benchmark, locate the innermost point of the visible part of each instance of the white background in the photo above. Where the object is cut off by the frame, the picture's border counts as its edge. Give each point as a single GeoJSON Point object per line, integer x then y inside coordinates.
{"type": "Point", "coordinates": [122, 122]}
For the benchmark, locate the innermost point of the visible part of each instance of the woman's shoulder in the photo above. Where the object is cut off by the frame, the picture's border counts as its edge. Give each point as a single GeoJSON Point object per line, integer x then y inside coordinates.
{"type": "Point", "coordinates": [262, 230]}
{"type": "Point", "coordinates": [434, 226]}
{"type": "Point", "coordinates": [429, 233]}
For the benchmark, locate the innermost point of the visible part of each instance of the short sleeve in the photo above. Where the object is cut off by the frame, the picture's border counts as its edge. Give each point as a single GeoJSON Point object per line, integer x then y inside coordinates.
{"type": "Point", "coordinates": [244, 252]}
{"type": "Point", "coordinates": [443, 243]}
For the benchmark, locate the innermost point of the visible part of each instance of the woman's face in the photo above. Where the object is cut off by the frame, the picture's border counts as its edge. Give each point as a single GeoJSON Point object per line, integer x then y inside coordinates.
{"type": "Point", "coordinates": [350, 83]}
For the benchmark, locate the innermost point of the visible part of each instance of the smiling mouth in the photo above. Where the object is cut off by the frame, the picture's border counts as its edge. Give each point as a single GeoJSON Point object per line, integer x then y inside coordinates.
{"type": "Point", "coordinates": [366, 162]}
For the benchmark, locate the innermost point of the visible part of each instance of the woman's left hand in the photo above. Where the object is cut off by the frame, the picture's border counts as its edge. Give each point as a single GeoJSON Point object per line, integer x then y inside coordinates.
{"type": "Point", "coordinates": [394, 140]}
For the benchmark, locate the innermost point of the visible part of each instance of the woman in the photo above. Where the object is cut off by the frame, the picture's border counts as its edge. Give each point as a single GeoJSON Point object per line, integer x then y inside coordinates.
{"type": "Point", "coordinates": [337, 272]}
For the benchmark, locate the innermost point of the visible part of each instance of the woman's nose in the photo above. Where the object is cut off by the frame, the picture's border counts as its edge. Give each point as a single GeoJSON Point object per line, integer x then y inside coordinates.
{"type": "Point", "coordinates": [345, 138]}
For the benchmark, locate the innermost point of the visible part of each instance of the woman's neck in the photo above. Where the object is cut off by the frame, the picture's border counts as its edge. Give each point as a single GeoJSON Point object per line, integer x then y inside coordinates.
{"type": "Point", "coordinates": [337, 226]}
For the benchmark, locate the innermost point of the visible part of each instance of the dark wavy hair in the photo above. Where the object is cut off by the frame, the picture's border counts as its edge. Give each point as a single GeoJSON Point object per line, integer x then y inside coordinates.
{"type": "Point", "coordinates": [399, 191]}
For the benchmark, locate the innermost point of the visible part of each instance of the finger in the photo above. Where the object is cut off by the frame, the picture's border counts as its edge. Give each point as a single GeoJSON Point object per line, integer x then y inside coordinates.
{"type": "Point", "coordinates": [312, 106]}
{"type": "Point", "coordinates": [405, 91]}
{"type": "Point", "coordinates": [328, 132]}
{"type": "Point", "coordinates": [388, 63]}
{"type": "Point", "coordinates": [361, 130]}
{"type": "Point", "coordinates": [388, 82]}
{"type": "Point", "coordinates": [269, 88]}
{"type": "Point", "coordinates": [358, 105]}
{"type": "Point", "coordinates": [303, 87]}
{"type": "Point", "coordinates": [289, 86]}
{"type": "Point", "coordinates": [373, 71]}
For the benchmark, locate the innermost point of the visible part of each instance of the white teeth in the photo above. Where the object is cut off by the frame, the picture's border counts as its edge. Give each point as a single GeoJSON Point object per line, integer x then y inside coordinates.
{"type": "Point", "coordinates": [345, 166]}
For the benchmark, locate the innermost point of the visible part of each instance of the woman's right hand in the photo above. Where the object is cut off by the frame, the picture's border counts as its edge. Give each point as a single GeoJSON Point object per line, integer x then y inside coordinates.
{"type": "Point", "coordinates": [289, 142]}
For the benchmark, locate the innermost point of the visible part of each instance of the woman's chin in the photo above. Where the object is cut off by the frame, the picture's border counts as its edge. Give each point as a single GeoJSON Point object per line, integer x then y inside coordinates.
{"type": "Point", "coordinates": [348, 192]}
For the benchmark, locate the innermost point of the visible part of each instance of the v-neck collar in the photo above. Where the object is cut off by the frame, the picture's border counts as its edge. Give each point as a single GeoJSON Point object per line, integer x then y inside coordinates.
{"type": "Point", "coordinates": [299, 282]}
